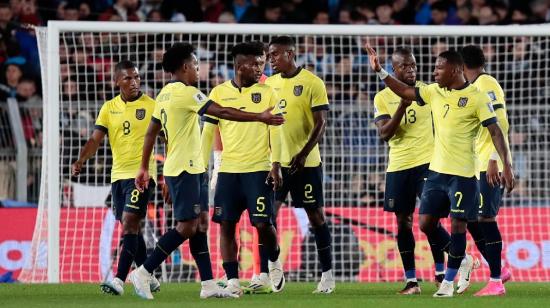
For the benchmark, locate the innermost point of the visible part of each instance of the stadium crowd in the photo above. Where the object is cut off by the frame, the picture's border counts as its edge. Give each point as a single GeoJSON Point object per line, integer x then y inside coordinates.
{"type": "Point", "coordinates": [521, 64]}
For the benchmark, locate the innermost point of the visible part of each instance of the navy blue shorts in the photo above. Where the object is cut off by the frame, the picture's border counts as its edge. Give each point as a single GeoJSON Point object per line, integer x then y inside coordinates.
{"type": "Point", "coordinates": [185, 192]}
{"type": "Point", "coordinates": [444, 194]}
{"type": "Point", "coordinates": [236, 192]}
{"type": "Point", "coordinates": [305, 187]}
{"type": "Point", "coordinates": [402, 188]}
{"type": "Point", "coordinates": [491, 198]}
{"type": "Point", "coordinates": [126, 198]}
{"type": "Point", "coordinates": [204, 192]}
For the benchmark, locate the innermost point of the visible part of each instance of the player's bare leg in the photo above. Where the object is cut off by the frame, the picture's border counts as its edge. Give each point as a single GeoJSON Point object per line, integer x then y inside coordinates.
{"type": "Point", "coordinates": [406, 245]}
{"type": "Point", "coordinates": [323, 241]}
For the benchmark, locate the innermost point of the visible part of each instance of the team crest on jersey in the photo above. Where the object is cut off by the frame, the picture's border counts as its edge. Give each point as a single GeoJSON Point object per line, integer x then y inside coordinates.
{"type": "Point", "coordinates": [462, 102]}
{"type": "Point", "coordinates": [256, 97]}
{"type": "Point", "coordinates": [492, 95]}
{"type": "Point", "coordinates": [298, 90]}
{"type": "Point", "coordinates": [140, 114]}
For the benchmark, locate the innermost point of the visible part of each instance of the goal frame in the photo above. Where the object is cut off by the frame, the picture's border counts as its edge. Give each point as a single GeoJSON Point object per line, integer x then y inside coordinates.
{"type": "Point", "coordinates": [52, 86]}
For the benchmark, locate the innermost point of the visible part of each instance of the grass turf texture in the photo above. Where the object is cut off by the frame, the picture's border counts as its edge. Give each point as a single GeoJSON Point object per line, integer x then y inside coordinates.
{"type": "Point", "coordinates": [295, 295]}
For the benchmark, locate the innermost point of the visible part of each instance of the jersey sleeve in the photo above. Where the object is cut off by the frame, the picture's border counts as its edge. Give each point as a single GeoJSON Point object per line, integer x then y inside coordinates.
{"type": "Point", "coordinates": [484, 110]}
{"type": "Point", "coordinates": [424, 94]}
{"type": "Point", "coordinates": [380, 110]}
{"type": "Point", "coordinates": [319, 97]}
{"type": "Point", "coordinates": [102, 121]}
{"type": "Point", "coordinates": [156, 113]}
{"type": "Point", "coordinates": [207, 118]}
{"type": "Point", "coordinates": [195, 100]}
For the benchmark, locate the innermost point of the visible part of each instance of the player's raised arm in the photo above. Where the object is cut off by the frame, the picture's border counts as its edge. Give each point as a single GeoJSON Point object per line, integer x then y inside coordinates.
{"type": "Point", "coordinates": [89, 149]}
{"type": "Point", "coordinates": [400, 88]}
{"type": "Point", "coordinates": [502, 148]}
{"type": "Point", "coordinates": [142, 178]}
{"type": "Point", "coordinates": [233, 114]}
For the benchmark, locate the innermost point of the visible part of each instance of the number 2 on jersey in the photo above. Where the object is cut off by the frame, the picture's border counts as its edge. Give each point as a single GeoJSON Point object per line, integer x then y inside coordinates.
{"type": "Point", "coordinates": [447, 107]}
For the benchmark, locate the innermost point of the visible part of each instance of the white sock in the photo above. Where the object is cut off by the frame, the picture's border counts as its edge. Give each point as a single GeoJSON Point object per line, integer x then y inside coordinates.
{"type": "Point", "coordinates": [440, 273]}
{"type": "Point", "coordinates": [495, 280]}
{"type": "Point", "coordinates": [412, 280]}
{"type": "Point", "coordinates": [327, 274]}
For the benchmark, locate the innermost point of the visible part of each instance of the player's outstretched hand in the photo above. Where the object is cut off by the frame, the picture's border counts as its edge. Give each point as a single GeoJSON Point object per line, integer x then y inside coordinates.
{"type": "Point", "coordinates": [507, 178]}
{"type": "Point", "coordinates": [77, 166]}
{"type": "Point", "coordinates": [493, 176]}
{"type": "Point", "coordinates": [270, 119]}
{"type": "Point", "coordinates": [297, 163]}
{"type": "Point", "coordinates": [373, 58]}
{"type": "Point", "coordinates": [275, 176]}
{"type": "Point", "coordinates": [142, 180]}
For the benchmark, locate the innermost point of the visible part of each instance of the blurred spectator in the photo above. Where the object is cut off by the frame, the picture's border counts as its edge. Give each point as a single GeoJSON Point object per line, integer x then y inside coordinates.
{"type": "Point", "coordinates": [7, 27]}
{"type": "Point", "coordinates": [211, 10]}
{"type": "Point", "coordinates": [239, 7]}
{"type": "Point", "coordinates": [384, 12]}
{"type": "Point", "coordinates": [71, 11]}
{"type": "Point", "coordinates": [503, 12]}
{"type": "Point", "coordinates": [366, 9]}
{"type": "Point", "coordinates": [84, 12]}
{"type": "Point", "coordinates": [439, 14]}
{"type": "Point", "coordinates": [424, 12]}
{"type": "Point", "coordinates": [25, 12]}
{"type": "Point", "coordinates": [227, 18]}
{"type": "Point", "coordinates": [464, 14]}
{"type": "Point", "coordinates": [297, 12]}
{"type": "Point", "coordinates": [487, 16]}
{"type": "Point", "coordinates": [520, 15]}
{"type": "Point", "coordinates": [321, 18]}
{"type": "Point", "coordinates": [541, 11]}
{"type": "Point", "coordinates": [155, 16]}
{"type": "Point", "coordinates": [344, 17]}
{"type": "Point", "coordinates": [125, 10]}
{"type": "Point", "coordinates": [27, 91]}
{"type": "Point", "coordinates": [12, 76]}
{"type": "Point", "coordinates": [403, 12]}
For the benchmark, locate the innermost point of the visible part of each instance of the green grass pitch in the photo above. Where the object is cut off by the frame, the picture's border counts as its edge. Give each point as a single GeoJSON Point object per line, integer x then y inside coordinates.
{"type": "Point", "coordinates": [347, 295]}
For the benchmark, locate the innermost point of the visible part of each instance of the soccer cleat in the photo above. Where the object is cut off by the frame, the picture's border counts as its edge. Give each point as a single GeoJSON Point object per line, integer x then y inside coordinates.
{"type": "Point", "coordinates": [114, 287]}
{"type": "Point", "coordinates": [154, 284]}
{"type": "Point", "coordinates": [493, 288]}
{"type": "Point", "coordinates": [411, 288]}
{"type": "Point", "coordinates": [141, 279]}
{"type": "Point", "coordinates": [468, 264]}
{"type": "Point", "coordinates": [234, 288]}
{"type": "Point", "coordinates": [505, 275]}
{"type": "Point", "coordinates": [210, 289]}
{"type": "Point", "coordinates": [222, 282]}
{"type": "Point", "coordinates": [326, 285]}
{"type": "Point", "coordinates": [439, 279]}
{"type": "Point", "coordinates": [446, 289]}
{"type": "Point", "coordinates": [277, 276]}
{"type": "Point", "coordinates": [260, 284]}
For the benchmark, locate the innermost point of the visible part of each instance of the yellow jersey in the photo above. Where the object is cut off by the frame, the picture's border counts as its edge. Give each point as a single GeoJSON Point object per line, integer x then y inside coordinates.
{"type": "Point", "coordinates": [301, 95]}
{"type": "Point", "coordinates": [125, 124]}
{"type": "Point", "coordinates": [484, 144]}
{"type": "Point", "coordinates": [413, 142]}
{"type": "Point", "coordinates": [457, 115]}
{"type": "Point", "coordinates": [246, 145]}
{"type": "Point", "coordinates": [178, 110]}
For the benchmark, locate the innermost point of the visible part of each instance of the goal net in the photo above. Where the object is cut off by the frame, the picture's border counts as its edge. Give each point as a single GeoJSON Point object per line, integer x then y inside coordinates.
{"type": "Point", "coordinates": [76, 236]}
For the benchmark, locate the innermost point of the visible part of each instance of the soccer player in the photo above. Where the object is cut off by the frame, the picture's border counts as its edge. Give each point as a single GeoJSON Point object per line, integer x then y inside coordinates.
{"type": "Point", "coordinates": [458, 109]}
{"type": "Point", "coordinates": [179, 105]}
{"type": "Point", "coordinates": [486, 233]}
{"type": "Point", "coordinates": [244, 178]}
{"type": "Point", "coordinates": [304, 103]}
{"type": "Point", "coordinates": [408, 130]}
{"type": "Point", "coordinates": [124, 120]}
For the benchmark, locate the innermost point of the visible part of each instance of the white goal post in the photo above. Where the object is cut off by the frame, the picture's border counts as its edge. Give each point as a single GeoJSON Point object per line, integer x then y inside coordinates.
{"type": "Point", "coordinates": [354, 158]}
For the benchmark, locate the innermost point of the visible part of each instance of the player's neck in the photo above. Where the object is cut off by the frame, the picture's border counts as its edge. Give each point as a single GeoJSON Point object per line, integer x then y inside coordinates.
{"type": "Point", "coordinates": [129, 99]}
{"type": "Point", "coordinates": [291, 72]}
{"type": "Point", "coordinates": [472, 74]}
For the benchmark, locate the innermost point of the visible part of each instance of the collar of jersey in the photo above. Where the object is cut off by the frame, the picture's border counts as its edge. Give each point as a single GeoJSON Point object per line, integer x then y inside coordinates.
{"type": "Point", "coordinates": [140, 94]}
{"type": "Point", "coordinates": [234, 85]}
{"type": "Point", "coordinates": [176, 81]}
{"type": "Point", "coordinates": [298, 70]}
{"type": "Point", "coordinates": [464, 86]}
{"type": "Point", "coordinates": [482, 73]}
